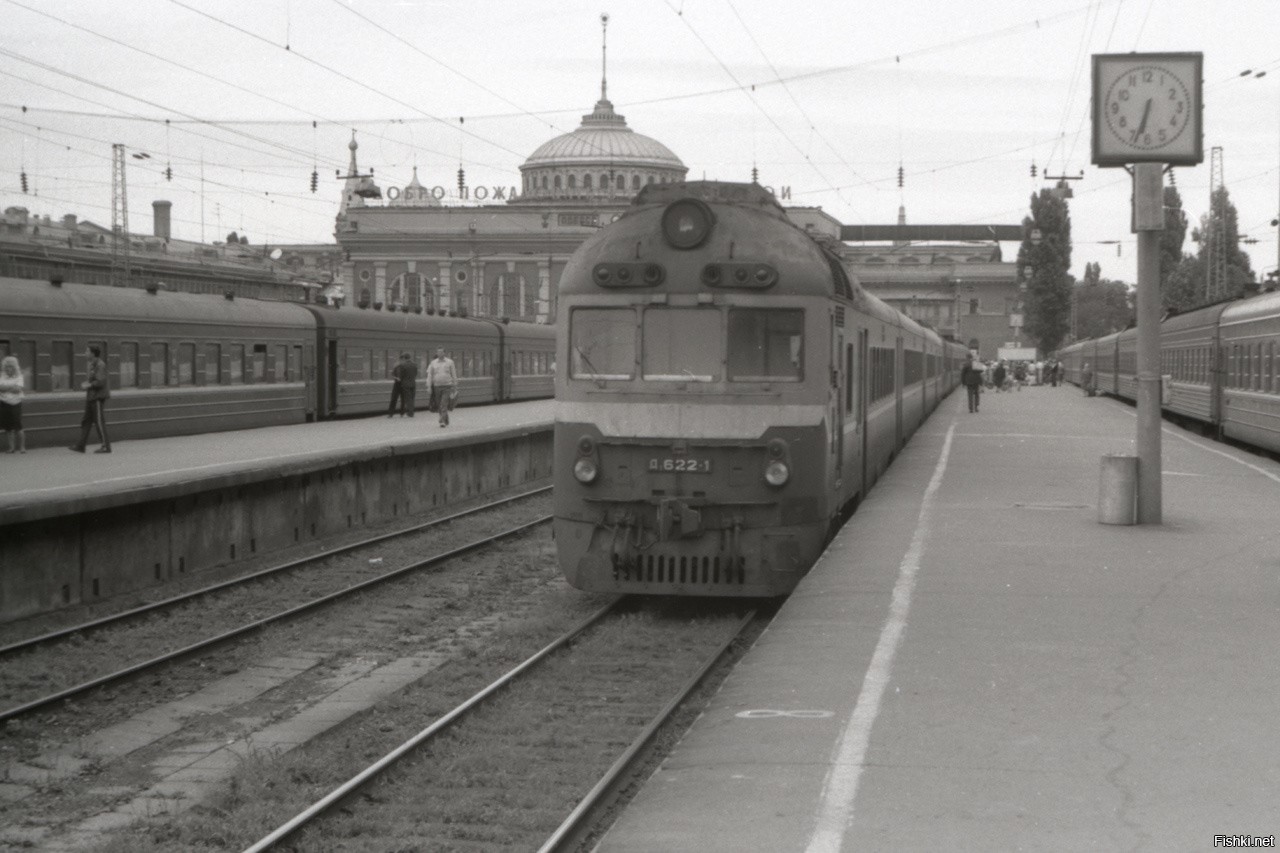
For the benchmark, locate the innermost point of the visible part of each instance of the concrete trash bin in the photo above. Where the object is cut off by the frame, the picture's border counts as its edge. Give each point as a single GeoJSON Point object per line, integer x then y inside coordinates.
{"type": "Point", "coordinates": [1118, 490]}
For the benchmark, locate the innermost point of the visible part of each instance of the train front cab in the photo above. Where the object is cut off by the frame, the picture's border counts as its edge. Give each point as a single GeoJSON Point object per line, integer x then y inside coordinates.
{"type": "Point", "coordinates": [701, 464]}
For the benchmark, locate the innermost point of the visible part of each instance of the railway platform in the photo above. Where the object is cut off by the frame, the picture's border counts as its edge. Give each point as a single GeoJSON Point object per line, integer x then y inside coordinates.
{"type": "Point", "coordinates": [75, 528]}
{"type": "Point", "coordinates": [976, 663]}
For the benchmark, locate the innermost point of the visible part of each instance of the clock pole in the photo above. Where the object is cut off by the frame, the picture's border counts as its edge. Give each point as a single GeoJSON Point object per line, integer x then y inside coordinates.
{"type": "Point", "coordinates": [1148, 222]}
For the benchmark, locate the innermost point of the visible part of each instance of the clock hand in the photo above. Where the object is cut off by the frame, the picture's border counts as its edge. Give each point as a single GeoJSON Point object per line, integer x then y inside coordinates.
{"type": "Point", "coordinates": [1142, 125]}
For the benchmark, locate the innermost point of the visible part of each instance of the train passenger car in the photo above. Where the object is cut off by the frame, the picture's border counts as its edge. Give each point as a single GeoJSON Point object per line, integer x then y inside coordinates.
{"type": "Point", "coordinates": [528, 360]}
{"type": "Point", "coordinates": [178, 363]}
{"type": "Point", "coordinates": [1188, 351]}
{"type": "Point", "coordinates": [1126, 379]}
{"type": "Point", "coordinates": [725, 394]}
{"type": "Point", "coordinates": [1250, 388]}
{"type": "Point", "coordinates": [361, 346]}
{"type": "Point", "coordinates": [1105, 360]}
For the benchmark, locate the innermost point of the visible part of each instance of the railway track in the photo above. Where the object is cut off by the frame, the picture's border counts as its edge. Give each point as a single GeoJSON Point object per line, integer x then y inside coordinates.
{"type": "Point", "coordinates": [351, 580]}
{"type": "Point", "coordinates": [567, 725]}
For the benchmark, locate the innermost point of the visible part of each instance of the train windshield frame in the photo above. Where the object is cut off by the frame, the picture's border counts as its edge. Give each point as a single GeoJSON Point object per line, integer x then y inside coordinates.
{"type": "Point", "coordinates": [766, 345]}
{"type": "Point", "coordinates": [602, 343]}
{"type": "Point", "coordinates": [681, 344]}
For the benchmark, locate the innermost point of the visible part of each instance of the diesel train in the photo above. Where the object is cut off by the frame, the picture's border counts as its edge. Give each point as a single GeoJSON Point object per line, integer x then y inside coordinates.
{"type": "Point", "coordinates": [727, 395]}
{"type": "Point", "coordinates": [1220, 365]}
{"type": "Point", "coordinates": [182, 363]}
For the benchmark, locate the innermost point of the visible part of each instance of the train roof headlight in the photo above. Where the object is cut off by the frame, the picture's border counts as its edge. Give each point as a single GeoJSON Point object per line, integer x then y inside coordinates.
{"type": "Point", "coordinates": [776, 473]}
{"type": "Point", "coordinates": [585, 470]}
{"type": "Point", "coordinates": [687, 223]}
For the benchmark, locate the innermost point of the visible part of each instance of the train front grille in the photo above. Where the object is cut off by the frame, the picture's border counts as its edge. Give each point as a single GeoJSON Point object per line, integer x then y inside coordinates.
{"type": "Point", "coordinates": [682, 569]}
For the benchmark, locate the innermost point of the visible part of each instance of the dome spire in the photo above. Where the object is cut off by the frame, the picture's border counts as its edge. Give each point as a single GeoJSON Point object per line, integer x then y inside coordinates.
{"type": "Point", "coordinates": [604, 56]}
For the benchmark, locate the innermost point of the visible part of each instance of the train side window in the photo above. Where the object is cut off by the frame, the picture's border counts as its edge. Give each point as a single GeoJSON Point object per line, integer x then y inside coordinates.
{"type": "Point", "coordinates": [1257, 367]}
{"type": "Point", "coordinates": [848, 378]}
{"type": "Point", "coordinates": [5, 348]}
{"type": "Point", "coordinates": [212, 364]}
{"type": "Point", "coordinates": [128, 365]}
{"type": "Point", "coordinates": [282, 363]}
{"type": "Point", "coordinates": [258, 365]}
{"type": "Point", "coordinates": [26, 352]}
{"type": "Point", "coordinates": [159, 365]}
{"type": "Point", "coordinates": [295, 364]}
{"type": "Point", "coordinates": [61, 366]}
{"type": "Point", "coordinates": [602, 343]}
{"type": "Point", "coordinates": [235, 364]}
{"type": "Point", "coordinates": [186, 364]}
{"type": "Point", "coordinates": [368, 365]}
{"type": "Point", "coordinates": [766, 345]}
{"type": "Point", "coordinates": [1269, 384]}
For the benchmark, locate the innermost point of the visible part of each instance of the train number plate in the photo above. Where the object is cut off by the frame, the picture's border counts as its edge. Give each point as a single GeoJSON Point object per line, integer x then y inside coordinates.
{"type": "Point", "coordinates": [681, 466]}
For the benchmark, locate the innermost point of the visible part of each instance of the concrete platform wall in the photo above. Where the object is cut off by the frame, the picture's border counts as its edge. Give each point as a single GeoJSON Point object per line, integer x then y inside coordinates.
{"type": "Point", "coordinates": [92, 555]}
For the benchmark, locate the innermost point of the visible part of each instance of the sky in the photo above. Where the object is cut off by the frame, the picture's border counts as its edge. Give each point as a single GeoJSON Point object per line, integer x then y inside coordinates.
{"type": "Point", "coordinates": [244, 99]}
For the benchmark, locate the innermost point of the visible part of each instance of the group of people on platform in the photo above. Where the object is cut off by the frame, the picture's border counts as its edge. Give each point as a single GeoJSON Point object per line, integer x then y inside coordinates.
{"type": "Point", "coordinates": [999, 376]}
{"type": "Point", "coordinates": [441, 379]}
{"type": "Point", "coordinates": [442, 386]}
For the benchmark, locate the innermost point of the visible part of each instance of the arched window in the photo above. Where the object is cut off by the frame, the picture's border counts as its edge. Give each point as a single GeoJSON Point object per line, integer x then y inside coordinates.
{"type": "Point", "coordinates": [573, 182]}
{"type": "Point", "coordinates": [511, 284]}
{"type": "Point", "coordinates": [635, 182]}
{"type": "Point", "coordinates": [586, 182]}
{"type": "Point", "coordinates": [544, 182]}
{"type": "Point", "coordinates": [622, 182]}
{"type": "Point", "coordinates": [650, 180]}
{"type": "Point", "coordinates": [557, 182]}
{"type": "Point", "coordinates": [604, 182]}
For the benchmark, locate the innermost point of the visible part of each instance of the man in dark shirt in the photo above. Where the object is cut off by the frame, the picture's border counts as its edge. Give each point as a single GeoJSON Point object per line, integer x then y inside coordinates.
{"type": "Point", "coordinates": [405, 375]}
{"type": "Point", "coordinates": [97, 392]}
{"type": "Point", "coordinates": [971, 379]}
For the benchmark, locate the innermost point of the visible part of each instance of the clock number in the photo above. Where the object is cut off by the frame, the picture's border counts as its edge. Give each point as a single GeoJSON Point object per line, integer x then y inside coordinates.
{"type": "Point", "coordinates": [1163, 135]}
{"type": "Point", "coordinates": [1148, 76]}
{"type": "Point", "coordinates": [1123, 95]}
{"type": "Point", "coordinates": [1173, 94]}
{"type": "Point", "coordinates": [1124, 121]}
{"type": "Point", "coordinates": [1178, 107]}
{"type": "Point", "coordinates": [1115, 108]}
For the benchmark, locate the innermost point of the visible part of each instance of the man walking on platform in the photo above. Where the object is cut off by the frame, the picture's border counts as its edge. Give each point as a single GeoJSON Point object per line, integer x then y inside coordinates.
{"type": "Point", "coordinates": [442, 380]}
{"type": "Point", "coordinates": [405, 377]}
{"type": "Point", "coordinates": [971, 379]}
{"type": "Point", "coordinates": [97, 392]}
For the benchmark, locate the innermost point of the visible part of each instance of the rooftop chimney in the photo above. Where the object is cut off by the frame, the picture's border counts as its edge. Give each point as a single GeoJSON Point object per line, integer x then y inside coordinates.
{"type": "Point", "coordinates": [161, 209]}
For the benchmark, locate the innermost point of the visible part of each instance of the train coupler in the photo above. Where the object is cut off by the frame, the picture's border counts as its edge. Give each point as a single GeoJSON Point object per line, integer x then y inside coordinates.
{"type": "Point", "coordinates": [676, 515]}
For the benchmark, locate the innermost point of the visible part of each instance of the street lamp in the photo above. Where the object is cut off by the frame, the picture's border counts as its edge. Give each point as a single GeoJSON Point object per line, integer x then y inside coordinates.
{"type": "Point", "coordinates": [1249, 72]}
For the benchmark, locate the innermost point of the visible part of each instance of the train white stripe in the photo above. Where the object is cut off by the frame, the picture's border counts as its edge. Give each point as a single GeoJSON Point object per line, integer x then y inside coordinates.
{"type": "Point", "coordinates": [686, 420]}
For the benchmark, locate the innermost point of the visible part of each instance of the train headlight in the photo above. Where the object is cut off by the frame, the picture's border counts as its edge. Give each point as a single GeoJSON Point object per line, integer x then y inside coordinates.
{"type": "Point", "coordinates": [585, 470]}
{"type": "Point", "coordinates": [776, 473]}
{"type": "Point", "coordinates": [686, 224]}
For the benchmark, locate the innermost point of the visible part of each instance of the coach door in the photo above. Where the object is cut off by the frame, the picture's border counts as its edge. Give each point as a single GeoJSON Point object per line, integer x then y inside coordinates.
{"type": "Point", "coordinates": [835, 405]}
{"type": "Point", "coordinates": [863, 383]}
{"type": "Point", "coordinates": [331, 378]}
{"type": "Point", "coordinates": [899, 380]}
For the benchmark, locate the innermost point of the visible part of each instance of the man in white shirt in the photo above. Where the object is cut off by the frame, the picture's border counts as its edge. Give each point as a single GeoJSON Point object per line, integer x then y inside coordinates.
{"type": "Point", "coordinates": [442, 383]}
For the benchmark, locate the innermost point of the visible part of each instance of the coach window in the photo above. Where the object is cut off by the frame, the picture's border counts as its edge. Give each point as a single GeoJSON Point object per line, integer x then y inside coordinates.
{"type": "Point", "coordinates": [186, 364]}
{"type": "Point", "coordinates": [602, 343]}
{"type": "Point", "coordinates": [235, 364]}
{"type": "Point", "coordinates": [258, 366]}
{"type": "Point", "coordinates": [26, 353]}
{"type": "Point", "coordinates": [282, 363]}
{"type": "Point", "coordinates": [682, 344]}
{"type": "Point", "coordinates": [212, 364]}
{"type": "Point", "coordinates": [61, 366]}
{"type": "Point", "coordinates": [159, 365]}
{"type": "Point", "coordinates": [766, 345]}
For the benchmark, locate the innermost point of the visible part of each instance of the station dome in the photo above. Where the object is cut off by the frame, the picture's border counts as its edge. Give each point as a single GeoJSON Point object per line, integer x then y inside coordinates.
{"type": "Point", "coordinates": [602, 161]}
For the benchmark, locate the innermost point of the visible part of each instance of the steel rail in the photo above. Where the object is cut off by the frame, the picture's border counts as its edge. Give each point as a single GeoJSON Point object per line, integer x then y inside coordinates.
{"type": "Point", "coordinates": [84, 687]}
{"type": "Point", "coordinates": [567, 834]}
{"type": "Point", "coordinates": [373, 770]}
{"type": "Point", "coordinates": [124, 615]}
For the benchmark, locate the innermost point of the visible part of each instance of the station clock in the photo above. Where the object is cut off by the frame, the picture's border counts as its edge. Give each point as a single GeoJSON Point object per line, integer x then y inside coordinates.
{"type": "Point", "coordinates": [1148, 108]}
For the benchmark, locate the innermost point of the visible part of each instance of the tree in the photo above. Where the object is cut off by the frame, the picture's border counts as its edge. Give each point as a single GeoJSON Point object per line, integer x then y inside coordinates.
{"type": "Point", "coordinates": [232, 239]}
{"type": "Point", "coordinates": [1175, 293]}
{"type": "Point", "coordinates": [1048, 299]}
{"type": "Point", "coordinates": [1102, 306]}
{"type": "Point", "coordinates": [1239, 278]}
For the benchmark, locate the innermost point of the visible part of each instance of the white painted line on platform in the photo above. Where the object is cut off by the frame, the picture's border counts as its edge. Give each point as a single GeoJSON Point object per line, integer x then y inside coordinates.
{"type": "Point", "coordinates": [835, 810]}
{"type": "Point", "coordinates": [1225, 455]}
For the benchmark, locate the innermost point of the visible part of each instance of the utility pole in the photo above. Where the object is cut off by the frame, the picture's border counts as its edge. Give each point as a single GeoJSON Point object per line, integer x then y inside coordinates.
{"type": "Point", "coordinates": [1215, 286]}
{"type": "Point", "coordinates": [119, 219]}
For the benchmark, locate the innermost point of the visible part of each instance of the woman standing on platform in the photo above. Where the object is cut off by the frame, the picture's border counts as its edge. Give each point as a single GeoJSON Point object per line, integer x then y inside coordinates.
{"type": "Point", "coordinates": [11, 390]}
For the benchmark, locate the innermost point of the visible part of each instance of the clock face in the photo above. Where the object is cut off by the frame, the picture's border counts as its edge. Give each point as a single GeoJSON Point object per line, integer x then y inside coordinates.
{"type": "Point", "coordinates": [1147, 107]}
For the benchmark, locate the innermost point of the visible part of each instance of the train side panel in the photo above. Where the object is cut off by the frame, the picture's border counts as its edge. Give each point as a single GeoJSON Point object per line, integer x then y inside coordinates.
{"type": "Point", "coordinates": [1250, 386]}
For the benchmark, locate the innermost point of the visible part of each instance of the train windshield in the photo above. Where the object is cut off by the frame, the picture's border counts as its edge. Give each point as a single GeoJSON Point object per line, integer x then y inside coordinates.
{"type": "Point", "coordinates": [766, 345]}
{"type": "Point", "coordinates": [602, 343]}
{"type": "Point", "coordinates": [682, 344]}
